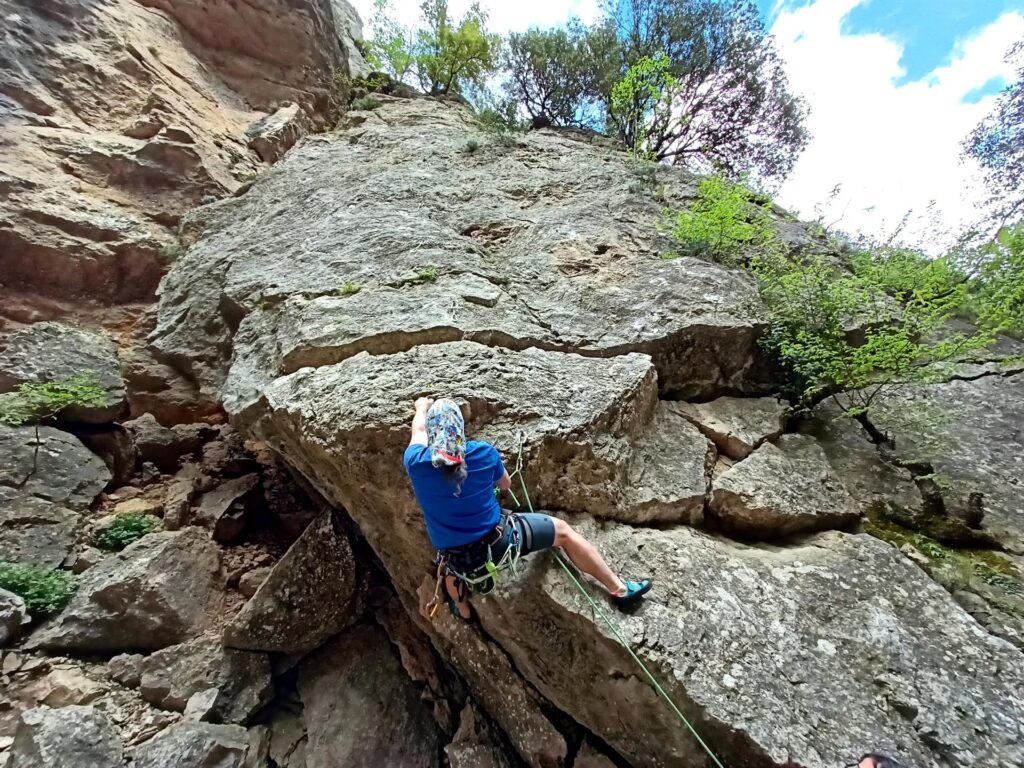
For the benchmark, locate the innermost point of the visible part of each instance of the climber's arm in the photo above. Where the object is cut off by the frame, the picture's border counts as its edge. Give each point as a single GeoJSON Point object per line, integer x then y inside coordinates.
{"type": "Point", "coordinates": [419, 421]}
{"type": "Point", "coordinates": [505, 482]}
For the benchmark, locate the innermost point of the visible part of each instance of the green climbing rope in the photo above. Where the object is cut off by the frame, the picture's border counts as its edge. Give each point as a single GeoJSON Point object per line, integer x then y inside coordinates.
{"type": "Point", "coordinates": [611, 625]}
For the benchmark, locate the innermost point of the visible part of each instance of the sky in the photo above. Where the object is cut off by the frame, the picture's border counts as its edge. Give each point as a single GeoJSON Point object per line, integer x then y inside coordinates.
{"type": "Point", "coordinates": [894, 87]}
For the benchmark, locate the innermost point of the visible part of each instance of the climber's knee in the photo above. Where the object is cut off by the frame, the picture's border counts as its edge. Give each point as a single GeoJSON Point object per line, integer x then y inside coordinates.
{"type": "Point", "coordinates": [564, 533]}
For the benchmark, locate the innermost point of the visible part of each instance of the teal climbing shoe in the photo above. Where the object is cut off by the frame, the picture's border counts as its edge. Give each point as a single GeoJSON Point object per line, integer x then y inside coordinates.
{"type": "Point", "coordinates": [635, 590]}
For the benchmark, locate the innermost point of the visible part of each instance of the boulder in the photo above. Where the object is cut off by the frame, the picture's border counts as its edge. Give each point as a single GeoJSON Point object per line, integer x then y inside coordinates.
{"type": "Point", "coordinates": [224, 508]}
{"type": "Point", "coordinates": [69, 737]}
{"type": "Point", "coordinates": [167, 446]}
{"type": "Point", "coordinates": [359, 708]}
{"type": "Point", "coordinates": [202, 705]}
{"type": "Point", "coordinates": [59, 469]}
{"type": "Point", "coordinates": [33, 530]}
{"type": "Point", "coordinates": [152, 594]}
{"type": "Point", "coordinates": [67, 686]}
{"type": "Point", "coordinates": [781, 489]}
{"type": "Point", "coordinates": [737, 425]}
{"type": "Point", "coordinates": [311, 594]}
{"type": "Point", "coordinates": [55, 351]}
{"type": "Point", "coordinates": [541, 265]}
{"type": "Point", "coordinates": [190, 744]}
{"type": "Point", "coordinates": [126, 668]}
{"type": "Point", "coordinates": [271, 136]}
{"type": "Point", "coordinates": [113, 444]}
{"type": "Point", "coordinates": [13, 617]}
{"type": "Point", "coordinates": [241, 679]}
{"type": "Point", "coordinates": [250, 581]}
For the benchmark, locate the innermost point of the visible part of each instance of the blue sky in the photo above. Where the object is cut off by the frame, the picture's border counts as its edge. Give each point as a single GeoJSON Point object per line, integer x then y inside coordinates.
{"type": "Point", "coordinates": [894, 87]}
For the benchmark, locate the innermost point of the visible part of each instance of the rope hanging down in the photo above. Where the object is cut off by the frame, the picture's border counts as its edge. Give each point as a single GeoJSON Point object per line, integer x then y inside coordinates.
{"type": "Point", "coordinates": [611, 625]}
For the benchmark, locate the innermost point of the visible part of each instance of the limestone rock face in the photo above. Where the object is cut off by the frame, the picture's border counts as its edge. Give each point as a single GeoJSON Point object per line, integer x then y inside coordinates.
{"type": "Point", "coordinates": [505, 247]}
{"type": "Point", "coordinates": [13, 616]}
{"type": "Point", "coordinates": [737, 425]}
{"type": "Point", "coordinates": [359, 708]}
{"type": "Point", "coordinates": [782, 489]}
{"type": "Point", "coordinates": [111, 137]}
{"type": "Point", "coordinates": [310, 594]}
{"type": "Point", "coordinates": [33, 530]}
{"type": "Point", "coordinates": [526, 283]}
{"type": "Point", "coordinates": [973, 433]}
{"type": "Point", "coordinates": [152, 594]}
{"type": "Point", "coordinates": [195, 745]}
{"type": "Point", "coordinates": [275, 134]}
{"type": "Point", "coordinates": [54, 351]}
{"type": "Point", "coordinates": [59, 469]}
{"type": "Point", "coordinates": [240, 680]}
{"type": "Point", "coordinates": [68, 737]}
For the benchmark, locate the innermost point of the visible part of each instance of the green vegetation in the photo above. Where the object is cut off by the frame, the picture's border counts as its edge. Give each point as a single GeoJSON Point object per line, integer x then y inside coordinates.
{"type": "Point", "coordinates": [44, 590]}
{"type": "Point", "coordinates": [367, 103]}
{"type": "Point", "coordinates": [125, 529]}
{"type": "Point", "coordinates": [426, 274]}
{"type": "Point", "coordinates": [722, 222]}
{"type": "Point", "coordinates": [445, 56]}
{"type": "Point", "coordinates": [349, 288]}
{"type": "Point", "coordinates": [642, 105]}
{"type": "Point", "coordinates": [174, 250]}
{"type": "Point", "coordinates": [38, 401]}
{"type": "Point", "coordinates": [471, 146]}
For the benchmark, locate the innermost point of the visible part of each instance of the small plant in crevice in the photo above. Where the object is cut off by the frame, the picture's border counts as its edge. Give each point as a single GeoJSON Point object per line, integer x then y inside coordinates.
{"type": "Point", "coordinates": [471, 146]}
{"type": "Point", "coordinates": [365, 103]}
{"type": "Point", "coordinates": [174, 250]}
{"type": "Point", "coordinates": [126, 528]}
{"type": "Point", "coordinates": [426, 274]}
{"type": "Point", "coordinates": [46, 591]}
{"type": "Point", "coordinates": [350, 288]}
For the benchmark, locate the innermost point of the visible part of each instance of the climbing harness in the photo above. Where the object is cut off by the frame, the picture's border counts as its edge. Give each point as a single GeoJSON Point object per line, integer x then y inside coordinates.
{"type": "Point", "coordinates": [611, 625]}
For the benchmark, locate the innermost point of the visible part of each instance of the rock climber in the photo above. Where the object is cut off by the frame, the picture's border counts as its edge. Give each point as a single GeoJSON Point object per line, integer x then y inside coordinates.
{"type": "Point", "coordinates": [454, 481]}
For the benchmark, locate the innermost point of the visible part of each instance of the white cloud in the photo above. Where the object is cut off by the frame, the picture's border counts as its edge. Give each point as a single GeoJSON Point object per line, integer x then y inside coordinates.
{"type": "Point", "coordinates": [505, 15]}
{"type": "Point", "coordinates": [893, 147]}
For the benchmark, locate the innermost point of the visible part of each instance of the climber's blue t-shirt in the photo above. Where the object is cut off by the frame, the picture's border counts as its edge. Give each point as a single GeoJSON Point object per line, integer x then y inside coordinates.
{"type": "Point", "coordinates": [456, 520]}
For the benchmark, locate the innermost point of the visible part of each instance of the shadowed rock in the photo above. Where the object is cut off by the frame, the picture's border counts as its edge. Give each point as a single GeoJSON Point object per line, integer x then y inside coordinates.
{"type": "Point", "coordinates": [737, 425]}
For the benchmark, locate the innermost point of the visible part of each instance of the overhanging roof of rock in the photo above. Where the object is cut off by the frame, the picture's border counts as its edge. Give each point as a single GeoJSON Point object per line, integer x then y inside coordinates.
{"type": "Point", "coordinates": [546, 244]}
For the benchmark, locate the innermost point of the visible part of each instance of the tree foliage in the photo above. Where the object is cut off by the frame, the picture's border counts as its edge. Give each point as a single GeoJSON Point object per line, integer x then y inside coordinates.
{"type": "Point", "coordinates": [851, 328]}
{"type": "Point", "coordinates": [392, 49]}
{"type": "Point", "coordinates": [998, 145]}
{"type": "Point", "coordinates": [550, 74]}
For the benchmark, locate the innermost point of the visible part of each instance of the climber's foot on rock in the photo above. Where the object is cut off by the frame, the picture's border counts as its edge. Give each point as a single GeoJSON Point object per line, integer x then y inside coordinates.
{"type": "Point", "coordinates": [632, 593]}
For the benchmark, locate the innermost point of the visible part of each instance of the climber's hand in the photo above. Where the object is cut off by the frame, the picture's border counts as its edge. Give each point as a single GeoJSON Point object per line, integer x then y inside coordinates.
{"type": "Point", "coordinates": [423, 403]}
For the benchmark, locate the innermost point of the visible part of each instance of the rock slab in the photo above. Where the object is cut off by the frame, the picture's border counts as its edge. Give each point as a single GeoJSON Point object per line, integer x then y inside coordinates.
{"type": "Point", "coordinates": [190, 744]}
{"type": "Point", "coordinates": [152, 594]}
{"type": "Point", "coordinates": [33, 530]}
{"type": "Point", "coordinates": [737, 425]}
{"type": "Point", "coordinates": [62, 470]}
{"type": "Point", "coordinates": [69, 737]}
{"type": "Point", "coordinates": [13, 616]}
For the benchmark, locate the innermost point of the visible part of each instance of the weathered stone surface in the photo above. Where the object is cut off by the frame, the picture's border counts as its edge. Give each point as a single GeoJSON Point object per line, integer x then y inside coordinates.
{"type": "Point", "coordinates": [55, 351]}
{"type": "Point", "coordinates": [33, 530]}
{"type": "Point", "coordinates": [65, 687]}
{"type": "Point", "coordinates": [167, 446]}
{"type": "Point", "coordinates": [114, 446]}
{"type": "Point", "coordinates": [473, 745]}
{"type": "Point", "coordinates": [139, 120]}
{"type": "Point", "coordinates": [359, 708]}
{"type": "Point", "coordinates": [126, 668]}
{"type": "Point", "coordinates": [275, 134]}
{"type": "Point", "coordinates": [737, 425]}
{"type": "Point", "coordinates": [590, 757]}
{"type": "Point", "coordinates": [311, 594]}
{"type": "Point", "coordinates": [223, 509]}
{"type": "Point", "coordinates": [973, 433]}
{"type": "Point", "coordinates": [782, 488]}
{"type": "Point", "coordinates": [569, 276]}
{"type": "Point", "coordinates": [62, 470]}
{"type": "Point", "coordinates": [13, 616]}
{"type": "Point", "coordinates": [152, 594]}
{"type": "Point", "coordinates": [190, 744]}
{"type": "Point", "coordinates": [251, 581]}
{"type": "Point", "coordinates": [170, 677]}
{"type": "Point", "coordinates": [755, 643]}
{"type": "Point", "coordinates": [69, 737]}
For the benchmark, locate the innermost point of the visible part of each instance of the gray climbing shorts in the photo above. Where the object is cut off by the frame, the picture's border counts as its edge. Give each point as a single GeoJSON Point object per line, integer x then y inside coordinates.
{"type": "Point", "coordinates": [536, 531]}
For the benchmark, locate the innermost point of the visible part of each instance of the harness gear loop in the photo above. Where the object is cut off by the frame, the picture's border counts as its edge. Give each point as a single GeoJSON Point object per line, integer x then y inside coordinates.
{"type": "Point", "coordinates": [484, 578]}
{"type": "Point", "coordinates": [611, 625]}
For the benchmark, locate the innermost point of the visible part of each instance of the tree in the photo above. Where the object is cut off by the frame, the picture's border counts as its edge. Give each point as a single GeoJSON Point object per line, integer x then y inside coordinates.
{"type": "Point", "coordinates": [722, 102]}
{"type": "Point", "coordinates": [392, 49]}
{"type": "Point", "coordinates": [451, 56]}
{"type": "Point", "coordinates": [998, 145]}
{"type": "Point", "coordinates": [550, 75]}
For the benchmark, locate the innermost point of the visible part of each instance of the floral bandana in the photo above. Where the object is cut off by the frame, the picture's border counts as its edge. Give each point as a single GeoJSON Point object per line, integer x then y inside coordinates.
{"type": "Point", "coordinates": [446, 434]}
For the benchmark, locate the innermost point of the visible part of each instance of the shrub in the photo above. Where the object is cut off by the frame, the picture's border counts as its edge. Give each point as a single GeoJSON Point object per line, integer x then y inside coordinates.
{"type": "Point", "coordinates": [125, 529]}
{"type": "Point", "coordinates": [36, 401]}
{"type": "Point", "coordinates": [174, 250]}
{"type": "Point", "coordinates": [45, 591]}
{"type": "Point", "coordinates": [471, 146]}
{"type": "Point", "coordinates": [349, 288]}
{"type": "Point", "coordinates": [367, 103]}
{"type": "Point", "coordinates": [426, 274]}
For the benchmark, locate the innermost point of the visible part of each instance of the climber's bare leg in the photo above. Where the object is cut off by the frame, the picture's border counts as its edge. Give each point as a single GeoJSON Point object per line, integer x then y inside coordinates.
{"type": "Point", "coordinates": [453, 592]}
{"type": "Point", "coordinates": [585, 556]}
